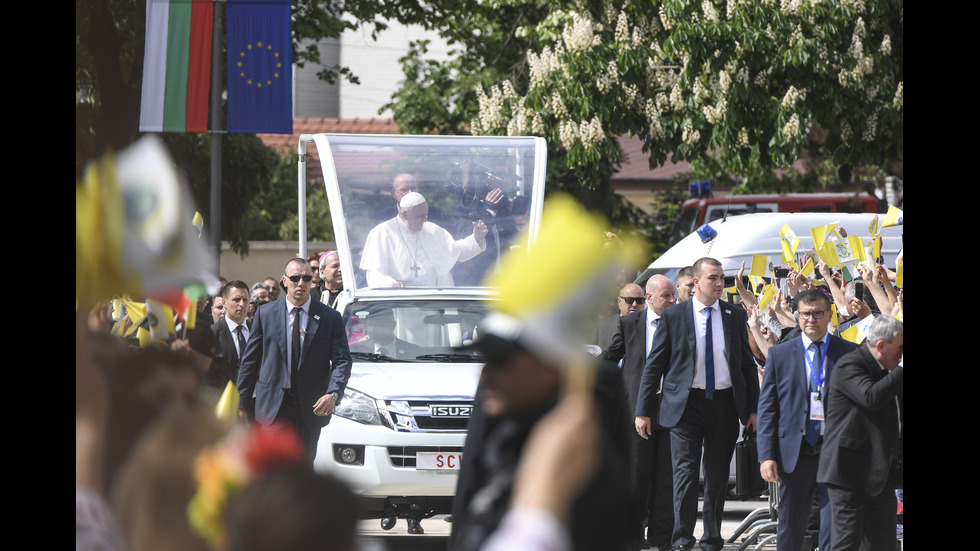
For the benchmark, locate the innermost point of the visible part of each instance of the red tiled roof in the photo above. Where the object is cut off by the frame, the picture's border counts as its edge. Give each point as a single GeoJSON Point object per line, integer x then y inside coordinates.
{"type": "Point", "coordinates": [636, 165]}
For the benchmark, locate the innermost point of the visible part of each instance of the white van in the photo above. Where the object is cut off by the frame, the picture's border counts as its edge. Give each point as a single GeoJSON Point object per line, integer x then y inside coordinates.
{"type": "Point", "coordinates": [740, 237]}
{"type": "Point", "coordinates": [397, 435]}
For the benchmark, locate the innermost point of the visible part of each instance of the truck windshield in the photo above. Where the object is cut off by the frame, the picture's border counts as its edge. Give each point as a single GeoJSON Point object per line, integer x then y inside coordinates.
{"type": "Point", "coordinates": [417, 330]}
{"type": "Point", "coordinates": [462, 182]}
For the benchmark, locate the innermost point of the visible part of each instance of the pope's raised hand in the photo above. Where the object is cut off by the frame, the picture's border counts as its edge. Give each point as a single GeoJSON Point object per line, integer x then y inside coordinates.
{"type": "Point", "coordinates": [479, 231]}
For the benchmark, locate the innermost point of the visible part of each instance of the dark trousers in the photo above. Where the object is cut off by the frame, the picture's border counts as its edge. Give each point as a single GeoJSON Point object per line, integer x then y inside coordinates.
{"type": "Point", "coordinates": [290, 417]}
{"type": "Point", "coordinates": [653, 487]}
{"type": "Point", "coordinates": [796, 491]}
{"type": "Point", "coordinates": [863, 522]}
{"type": "Point", "coordinates": [713, 425]}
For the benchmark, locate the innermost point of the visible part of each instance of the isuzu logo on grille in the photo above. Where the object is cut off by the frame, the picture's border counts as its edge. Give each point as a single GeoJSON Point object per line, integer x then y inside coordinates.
{"type": "Point", "coordinates": [450, 411]}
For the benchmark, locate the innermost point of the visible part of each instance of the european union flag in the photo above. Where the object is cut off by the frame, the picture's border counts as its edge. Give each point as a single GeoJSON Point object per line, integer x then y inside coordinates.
{"type": "Point", "coordinates": [260, 67]}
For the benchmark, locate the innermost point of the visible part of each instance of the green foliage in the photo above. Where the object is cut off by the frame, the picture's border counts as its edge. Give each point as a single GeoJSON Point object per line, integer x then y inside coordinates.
{"type": "Point", "coordinates": [742, 81]}
{"type": "Point", "coordinates": [740, 87]}
{"type": "Point", "coordinates": [247, 169]}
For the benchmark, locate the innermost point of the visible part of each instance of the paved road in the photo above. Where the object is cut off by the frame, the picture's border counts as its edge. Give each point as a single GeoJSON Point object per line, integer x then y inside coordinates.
{"type": "Point", "coordinates": [437, 530]}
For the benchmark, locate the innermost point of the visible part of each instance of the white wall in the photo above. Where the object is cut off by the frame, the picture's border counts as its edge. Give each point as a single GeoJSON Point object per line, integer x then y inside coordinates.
{"type": "Point", "coordinates": [376, 65]}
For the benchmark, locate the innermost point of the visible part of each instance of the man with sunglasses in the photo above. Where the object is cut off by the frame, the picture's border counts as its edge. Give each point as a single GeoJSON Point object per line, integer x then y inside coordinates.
{"type": "Point", "coordinates": [651, 457]}
{"type": "Point", "coordinates": [791, 415]}
{"type": "Point", "coordinates": [297, 362]}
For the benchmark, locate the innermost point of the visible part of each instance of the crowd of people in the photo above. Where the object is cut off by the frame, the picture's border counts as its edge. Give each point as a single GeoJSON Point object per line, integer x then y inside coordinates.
{"type": "Point", "coordinates": [827, 409]}
{"type": "Point", "coordinates": [680, 372]}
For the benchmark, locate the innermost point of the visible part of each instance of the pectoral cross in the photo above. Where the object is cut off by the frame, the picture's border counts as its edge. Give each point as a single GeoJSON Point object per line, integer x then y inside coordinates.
{"type": "Point", "coordinates": [415, 269]}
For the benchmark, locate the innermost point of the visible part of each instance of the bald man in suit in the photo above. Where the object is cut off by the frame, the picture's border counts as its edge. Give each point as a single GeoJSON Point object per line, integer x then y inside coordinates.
{"type": "Point", "coordinates": [296, 363]}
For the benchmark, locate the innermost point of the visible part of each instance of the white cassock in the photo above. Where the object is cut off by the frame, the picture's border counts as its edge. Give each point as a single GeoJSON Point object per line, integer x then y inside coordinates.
{"type": "Point", "coordinates": [393, 253]}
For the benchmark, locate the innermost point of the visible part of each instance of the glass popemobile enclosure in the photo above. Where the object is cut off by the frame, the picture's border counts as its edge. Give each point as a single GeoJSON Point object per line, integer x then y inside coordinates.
{"type": "Point", "coordinates": [419, 221]}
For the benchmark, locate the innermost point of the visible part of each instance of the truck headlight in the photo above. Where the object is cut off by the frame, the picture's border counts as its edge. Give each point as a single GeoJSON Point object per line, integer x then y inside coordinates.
{"type": "Point", "coordinates": [359, 407]}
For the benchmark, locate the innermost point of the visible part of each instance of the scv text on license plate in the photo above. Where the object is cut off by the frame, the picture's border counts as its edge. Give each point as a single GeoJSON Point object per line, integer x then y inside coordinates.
{"type": "Point", "coordinates": [438, 461]}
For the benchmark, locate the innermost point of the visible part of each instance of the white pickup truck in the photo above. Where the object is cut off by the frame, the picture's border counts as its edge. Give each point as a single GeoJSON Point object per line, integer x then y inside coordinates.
{"type": "Point", "coordinates": [397, 436]}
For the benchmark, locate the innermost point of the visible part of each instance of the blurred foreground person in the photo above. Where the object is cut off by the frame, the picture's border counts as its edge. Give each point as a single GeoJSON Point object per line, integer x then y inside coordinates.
{"type": "Point", "coordinates": [560, 456]}
{"type": "Point", "coordinates": [255, 492]}
{"type": "Point", "coordinates": [293, 509]}
{"type": "Point", "coordinates": [529, 343]}
{"type": "Point", "coordinates": [154, 486]}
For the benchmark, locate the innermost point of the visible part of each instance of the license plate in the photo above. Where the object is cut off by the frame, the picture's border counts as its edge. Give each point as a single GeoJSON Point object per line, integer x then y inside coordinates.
{"type": "Point", "coordinates": [438, 461]}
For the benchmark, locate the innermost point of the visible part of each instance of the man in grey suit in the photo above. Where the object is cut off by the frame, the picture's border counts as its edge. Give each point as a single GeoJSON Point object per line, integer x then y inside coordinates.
{"type": "Point", "coordinates": [652, 483]}
{"type": "Point", "coordinates": [791, 419]}
{"type": "Point", "coordinates": [701, 353]}
{"type": "Point", "coordinates": [297, 361]}
{"type": "Point", "coordinates": [862, 459]}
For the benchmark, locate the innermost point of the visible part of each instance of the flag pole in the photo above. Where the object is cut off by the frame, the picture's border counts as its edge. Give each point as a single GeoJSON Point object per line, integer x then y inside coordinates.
{"type": "Point", "coordinates": [216, 137]}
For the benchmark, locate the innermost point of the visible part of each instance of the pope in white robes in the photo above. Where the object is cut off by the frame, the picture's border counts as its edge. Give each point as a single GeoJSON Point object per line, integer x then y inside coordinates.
{"type": "Point", "coordinates": [409, 251]}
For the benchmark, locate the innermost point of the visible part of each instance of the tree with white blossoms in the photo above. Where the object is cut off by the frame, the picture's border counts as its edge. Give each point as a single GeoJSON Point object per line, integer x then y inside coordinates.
{"type": "Point", "coordinates": [745, 81]}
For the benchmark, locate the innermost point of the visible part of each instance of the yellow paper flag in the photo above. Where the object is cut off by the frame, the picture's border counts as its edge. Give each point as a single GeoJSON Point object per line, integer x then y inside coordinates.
{"type": "Point", "coordinates": [787, 236]}
{"type": "Point", "coordinates": [873, 225]}
{"type": "Point", "coordinates": [144, 337]}
{"type": "Point", "coordinates": [198, 222]}
{"type": "Point", "coordinates": [899, 263]}
{"type": "Point", "coordinates": [807, 269]}
{"type": "Point", "coordinates": [161, 320]}
{"type": "Point", "coordinates": [759, 264]}
{"type": "Point", "coordinates": [852, 334]}
{"type": "Point", "coordinates": [818, 233]}
{"type": "Point", "coordinates": [768, 292]}
{"type": "Point", "coordinates": [893, 217]}
{"type": "Point", "coordinates": [227, 407]}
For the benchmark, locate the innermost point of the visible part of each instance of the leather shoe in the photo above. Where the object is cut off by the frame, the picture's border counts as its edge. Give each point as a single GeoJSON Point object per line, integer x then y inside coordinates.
{"type": "Point", "coordinates": [414, 526]}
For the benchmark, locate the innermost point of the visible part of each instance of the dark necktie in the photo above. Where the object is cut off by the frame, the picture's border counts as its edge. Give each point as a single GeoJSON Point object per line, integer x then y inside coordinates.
{"type": "Point", "coordinates": [241, 341]}
{"type": "Point", "coordinates": [812, 425]}
{"type": "Point", "coordinates": [294, 356]}
{"type": "Point", "coordinates": [709, 357]}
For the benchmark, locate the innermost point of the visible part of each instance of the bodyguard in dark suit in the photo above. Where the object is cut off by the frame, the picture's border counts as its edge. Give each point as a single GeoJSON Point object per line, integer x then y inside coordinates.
{"type": "Point", "coordinates": [231, 332]}
{"type": "Point", "coordinates": [652, 471]}
{"type": "Point", "coordinates": [791, 419]}
{"type": "Point", "coordinates": [710, 383]}
{"type": "Point", "coordinates": [861, 461]}
{"type": "Point", "coordinates": [296, 362]}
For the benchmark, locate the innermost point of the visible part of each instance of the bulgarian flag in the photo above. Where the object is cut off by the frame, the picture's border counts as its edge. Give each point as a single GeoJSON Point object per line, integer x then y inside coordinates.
{"type": "Point", "coordinates": [176, 66]}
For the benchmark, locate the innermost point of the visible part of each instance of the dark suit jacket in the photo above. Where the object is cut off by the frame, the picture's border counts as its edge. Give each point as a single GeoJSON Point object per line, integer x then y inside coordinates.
{"type": "Point", "coordinates": [224, 367]}
{"type": "Point", "coordinates": [605, 330]}
{"type": "Point", "coordinates": [599, 515]}
{"type": "Point", "coordinates": [785, 396]}
{"type": "Point", "coordinates": [324, 364]}
{"type": "Point", "coordinates": [862, 444]}
{"type": "Point", "coordinates": [673, 358]}
{"type": "Point", "coordinates": [629, 343]}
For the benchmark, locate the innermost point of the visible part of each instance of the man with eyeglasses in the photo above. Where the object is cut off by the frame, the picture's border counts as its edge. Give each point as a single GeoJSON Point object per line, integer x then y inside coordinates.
{"type": "Point", "coordinates": [296, 363]}
{"type": "Point", "coordinates": [791, 414]}
{"type": "Point", "coordinates": [651, 456]}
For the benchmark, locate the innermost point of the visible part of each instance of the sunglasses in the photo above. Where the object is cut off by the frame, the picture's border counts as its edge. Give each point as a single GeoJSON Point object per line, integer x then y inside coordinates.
{"type": "Point", "coordinates": [632, 300]}
{"type": "Point", "coordinates": [296, 278]}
